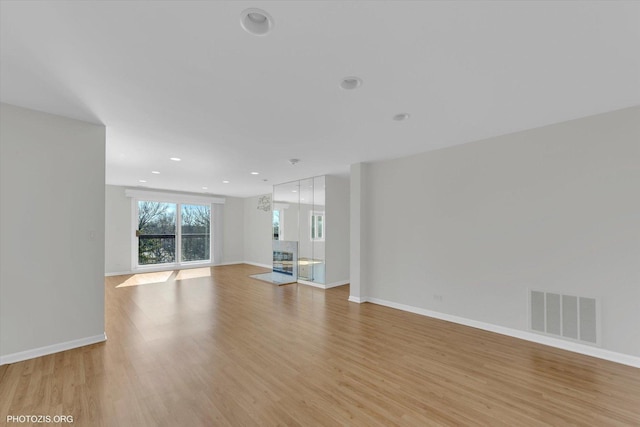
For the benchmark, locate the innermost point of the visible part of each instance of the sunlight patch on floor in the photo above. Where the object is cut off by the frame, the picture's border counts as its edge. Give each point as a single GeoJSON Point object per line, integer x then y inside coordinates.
{"type": "Point", "coordinates": [147, 278]}
{"type": "Point", "coordinates": [194, 273]}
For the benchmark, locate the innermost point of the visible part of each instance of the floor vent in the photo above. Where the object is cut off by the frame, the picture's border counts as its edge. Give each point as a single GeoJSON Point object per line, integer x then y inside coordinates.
{"type": "Point", "coordinates": [565, 316]}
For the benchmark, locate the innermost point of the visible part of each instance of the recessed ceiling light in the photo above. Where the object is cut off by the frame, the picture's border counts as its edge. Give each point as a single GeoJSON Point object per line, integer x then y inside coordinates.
{"type": "Point", "coordinates": [255, 173]}
{"type": "Point", "coordinates": [141, 180]}
{"type": "Point", "coordinates": [350, 83]}
{"type": "Point", "coordinates": [175, 159]}
{"type": "Point", "coordinates": [294, 191]}
{"type": "Point", "coordinates": [155, 172]}
{"type": "Point", "coordinates": [402, 116]}
{"type": "Point", "coordinates": [225, 182]}
{"type": "Point", "coordinates": [205, 188]}
{"type": "Point", "coordinates": [256, 21]}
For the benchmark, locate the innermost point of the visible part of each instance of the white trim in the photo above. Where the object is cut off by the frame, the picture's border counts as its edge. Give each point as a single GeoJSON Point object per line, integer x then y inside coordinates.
{"type": "Point", "coordinates": [357, 300]}
{"type": "Point", "coordinates": [158, 196]}
{"type": "Point", "coordinates": [336, 284]}
{"type": "Point", "coordinates": [308, 283]}
{"type": "Point", "coordinates": [50, 349]}
{"type": "Point", "coordinates": [118, 273]}
{"type": "Point", "coordinates": [588, 350]}
{"type": "Point", "coordinates": [132, 234]}
{"type": "Point", "coordinates": [177, 264]}
{"type": "Point", "coordinates": [322, 285]}
{"type": "Point", "coordinates": [313, 225]}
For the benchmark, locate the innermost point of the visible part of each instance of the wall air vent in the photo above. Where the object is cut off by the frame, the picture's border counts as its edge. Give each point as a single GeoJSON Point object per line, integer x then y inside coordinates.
{"type": "Point", "coordinates": [572, 317]}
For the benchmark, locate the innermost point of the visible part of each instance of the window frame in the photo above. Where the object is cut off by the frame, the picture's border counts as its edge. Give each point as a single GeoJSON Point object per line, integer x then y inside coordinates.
{"type": "Point", "coordinates": [135, 242]}
{"type": "Point", "coordinates": [177, 199]}
{"type": "Point", "coordinates": [313, 226]}
{"type": "Point", "coordinates": [280, 224]}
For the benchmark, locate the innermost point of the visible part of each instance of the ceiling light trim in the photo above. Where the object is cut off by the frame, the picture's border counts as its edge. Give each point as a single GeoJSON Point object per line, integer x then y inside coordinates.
{"type": "Point", "coordinates": [351, 83]}
{"type": "Point", "coordinates": [256, 22]}
{"type": "Point", "coordinates": [401, 117]}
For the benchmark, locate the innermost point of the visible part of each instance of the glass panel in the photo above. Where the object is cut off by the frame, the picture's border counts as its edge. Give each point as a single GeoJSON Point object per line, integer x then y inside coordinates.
{"type": "Point", "coordinates": [286, 198]}
{"type": "Point", "coordinates": [305, 244]}
{"type": "Point", "coordinates": [276, 225]}
{"type": "Point", "coordinates": [313, 227]}
{"type": "Point", "coordinates": [319, 226]}
{"type": "Point", "coordinates": [318, 243]}
{"type": "Point", "coordinates": [299, 216]}
{"type": "Point", "coordinates": [195, 232]}
{"type": "Point", "coordinates": [156, 233]}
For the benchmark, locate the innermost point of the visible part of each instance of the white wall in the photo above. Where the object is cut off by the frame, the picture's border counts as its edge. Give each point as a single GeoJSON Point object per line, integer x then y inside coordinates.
{"type": "Point", "coordinates": [337, 233]}
{"type": "Point", "coordinates": [555, 209]}
{"type": "Point", "coordinates": [118, 230]}
{"type": "Point", "coordinates": [357, 237]}
{"type": "Point", "coordinates": [257, 233]}
{"type": "Point", "coordinates": [52, 201]}
{"type": "Point", "coordinates": [233, 230]}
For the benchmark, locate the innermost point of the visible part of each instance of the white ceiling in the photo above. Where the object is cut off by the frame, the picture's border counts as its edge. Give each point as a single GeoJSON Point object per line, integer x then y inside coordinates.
{"type": "Point", "coordinates": [182, 78]}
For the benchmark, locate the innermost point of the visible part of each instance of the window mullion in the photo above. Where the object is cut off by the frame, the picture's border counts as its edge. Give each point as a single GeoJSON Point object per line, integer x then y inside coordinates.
{"type": "Point", "coordinates": [178, 233]}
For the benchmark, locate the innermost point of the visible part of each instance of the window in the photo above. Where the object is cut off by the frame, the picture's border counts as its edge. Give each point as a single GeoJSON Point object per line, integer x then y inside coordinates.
{"type": "Point", "coordinates": [317, 226]}
{"type": "Point", "coordinates": [162, 241]}
{"type": "Point", "coordinates": [156, 233]}
{"type": "Point", "coordinates": [277, 226]}
{"type": "Point", "coordinates": [172, 230]}
{"type": "Point", "coordinates": [195, 233]}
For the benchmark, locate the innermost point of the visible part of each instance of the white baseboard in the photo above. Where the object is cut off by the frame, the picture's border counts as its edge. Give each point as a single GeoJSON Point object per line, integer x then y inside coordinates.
{"type": "Point", "coordinates": [118, 273]}
{"type": "Point", "coordinates": [336, 284]}
{"type": "Point", "coordinates": [600, 353]}
{"type": "Point", "coordinates": [308, 283]}
{"type": "Point", "coordinates": [50, 349]}
{"type": "Point", "coordinates": [322, 285]}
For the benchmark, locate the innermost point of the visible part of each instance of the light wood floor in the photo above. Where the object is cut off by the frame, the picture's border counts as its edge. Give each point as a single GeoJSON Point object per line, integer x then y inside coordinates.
{"type": "Point", "coordinates": [213, 347]}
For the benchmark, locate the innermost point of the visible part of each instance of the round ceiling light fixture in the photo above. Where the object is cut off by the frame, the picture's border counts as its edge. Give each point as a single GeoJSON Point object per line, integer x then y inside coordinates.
{"type": "Point", "coordinates": [402, 116]}
{"type": "Point", "coordinates": [256, 21]}
{"type": "Point", "coordinates": [350, 83]}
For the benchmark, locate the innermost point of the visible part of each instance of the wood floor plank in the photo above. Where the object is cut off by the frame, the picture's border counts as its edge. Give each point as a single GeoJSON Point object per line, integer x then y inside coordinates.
{"type": "Point", "coordinates": [213, 346]}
